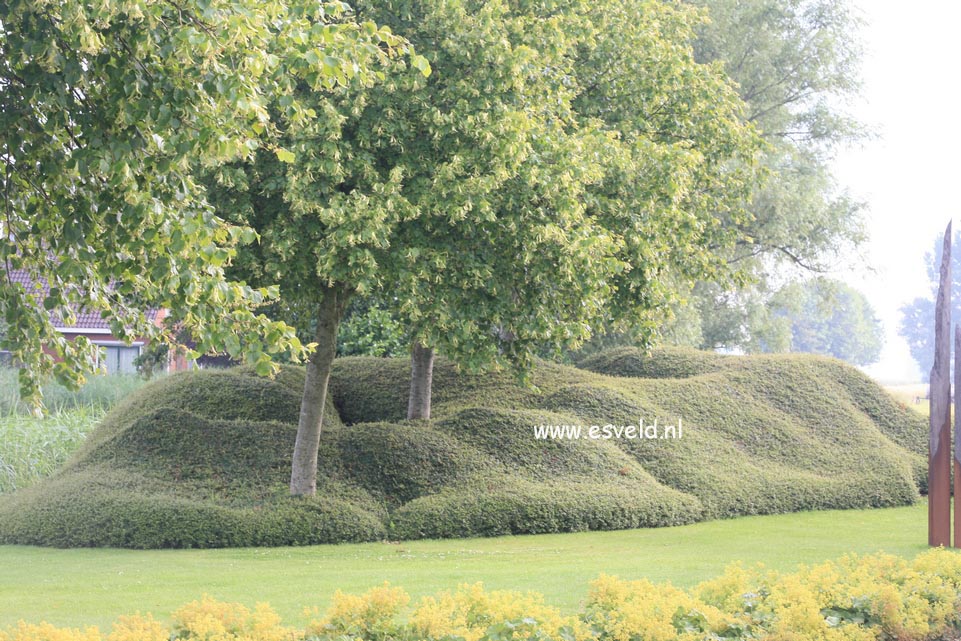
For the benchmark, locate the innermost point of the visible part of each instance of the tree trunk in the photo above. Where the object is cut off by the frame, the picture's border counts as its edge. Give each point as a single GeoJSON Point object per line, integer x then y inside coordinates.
{"type": "Point", "coordinates": [421, 375]}
{"type": "Point", "coordinates": [303, 475]}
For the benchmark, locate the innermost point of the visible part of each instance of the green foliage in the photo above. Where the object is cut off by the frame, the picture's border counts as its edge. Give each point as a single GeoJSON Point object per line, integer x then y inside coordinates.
{"type": "Point", "coordinates": [796, 64]}
{"type": "Point", "coordinates": [194, 460]}
{"type": "Point", "coordinates": [106, 111]}
{"type": "Point", "coordinates": [760, 435]}
{"type": "Point", "coordinates": [618, 160]}
{"type": "Point", "coordinates": [511, 507]}
{"type": "Point", "coordinates": [370, 329]}
{"type": "Point", "coordinates": [104, 508]}
{"type": "Point", "coordinates": [595, 173]}
{"type": "Point", "coordinates": [665, 362]}
{"type": "Point", "coordinates": [824, 316]}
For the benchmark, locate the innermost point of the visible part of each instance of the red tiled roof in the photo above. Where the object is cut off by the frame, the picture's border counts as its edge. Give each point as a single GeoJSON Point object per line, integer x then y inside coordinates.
{"type": "Point", "coordinates": [85, 319]}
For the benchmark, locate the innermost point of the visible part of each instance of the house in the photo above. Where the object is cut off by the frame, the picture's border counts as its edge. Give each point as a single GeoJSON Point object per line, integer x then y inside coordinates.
{"type": "Point", "coordinates": [118, 357]}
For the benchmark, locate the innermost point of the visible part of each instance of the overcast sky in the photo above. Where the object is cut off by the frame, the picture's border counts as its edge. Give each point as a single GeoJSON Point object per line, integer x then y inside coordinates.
{"type": "Point", "coordinates": [909, 177]}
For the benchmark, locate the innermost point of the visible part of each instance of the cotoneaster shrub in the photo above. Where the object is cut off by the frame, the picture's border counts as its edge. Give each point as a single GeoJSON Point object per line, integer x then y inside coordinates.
{"type": "Point", "coordinates": [871, 598]}
{"type": "Point", "coordinates": [665, 362]}
{"type": "Point", "coordinates": [202, 459]}
{"type": "Point", "coordinates": [506, 506]}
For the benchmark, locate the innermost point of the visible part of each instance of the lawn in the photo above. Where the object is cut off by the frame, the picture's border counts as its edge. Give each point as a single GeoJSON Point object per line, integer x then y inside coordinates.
{"type": "Point", "coordinates": [94, 586]}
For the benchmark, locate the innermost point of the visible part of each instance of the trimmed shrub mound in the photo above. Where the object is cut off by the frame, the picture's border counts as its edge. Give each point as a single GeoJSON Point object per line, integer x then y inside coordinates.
{"type": "Point", "coordinates": [666, 362]}
{"type": "Point", "coordinates": [202, 459]}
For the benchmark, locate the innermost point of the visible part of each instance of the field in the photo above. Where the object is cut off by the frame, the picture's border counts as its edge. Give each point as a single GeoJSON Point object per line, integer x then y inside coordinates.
{"type": "Point", "coordinates": [92, 587]}
{"type": "Point", "coordinates": [912, 395]}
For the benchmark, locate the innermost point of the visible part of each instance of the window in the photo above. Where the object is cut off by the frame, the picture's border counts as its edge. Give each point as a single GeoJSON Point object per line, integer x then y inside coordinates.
{"type": "Point", "coordinates": [119, 358]}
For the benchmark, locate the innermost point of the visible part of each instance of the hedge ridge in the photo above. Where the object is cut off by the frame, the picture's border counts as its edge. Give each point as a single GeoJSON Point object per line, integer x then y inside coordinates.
{"type": "Point", "coordinates": [202, 459]}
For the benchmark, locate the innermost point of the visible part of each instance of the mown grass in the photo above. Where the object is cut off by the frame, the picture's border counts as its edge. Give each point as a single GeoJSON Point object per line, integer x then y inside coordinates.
{"type": "Point", "coordinates": [94, 586]}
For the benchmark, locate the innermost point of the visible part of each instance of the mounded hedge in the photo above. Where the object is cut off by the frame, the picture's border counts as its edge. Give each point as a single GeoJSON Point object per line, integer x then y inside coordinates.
{"type": "Point", "coordinates": [506, 506]}
{"type": "Point", "coordinates": [202, 459]}
{"type": "Point", "coordinates": [666, 362]}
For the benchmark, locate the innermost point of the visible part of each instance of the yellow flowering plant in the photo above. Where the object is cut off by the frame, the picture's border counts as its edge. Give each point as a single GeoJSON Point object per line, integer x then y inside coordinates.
{"type": "Point", "coordinates": [871, 598]}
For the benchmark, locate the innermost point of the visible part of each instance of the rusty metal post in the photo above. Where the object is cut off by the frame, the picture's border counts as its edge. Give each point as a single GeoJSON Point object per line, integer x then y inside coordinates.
{"type": "Point", "coordinates": [957, 436]}
{"type": "Point", "coordinates": [939, 444]}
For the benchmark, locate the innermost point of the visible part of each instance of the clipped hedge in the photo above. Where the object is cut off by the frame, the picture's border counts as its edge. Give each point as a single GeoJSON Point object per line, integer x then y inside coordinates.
{"type": "Point", "coordinates": [506, 506]}
{"type": "Point", "coordinates": [202, 459]}
{"type": "Point", "coordinates": [665, 362]}
{"type": "Point", "coordinates": [102, 508]}
{"type": "Point", "coordinates": [850, 599]}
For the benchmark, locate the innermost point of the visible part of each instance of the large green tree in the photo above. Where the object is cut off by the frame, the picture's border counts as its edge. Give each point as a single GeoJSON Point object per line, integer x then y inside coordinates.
{"type": "Point", "coordinates": [647, 152]}
{"type": "Point", "coordinates": [403, 180]}
{"type": "Point", "coordinates": [106, 111]}
{"type": "Point", "coordinates": [499, 203]}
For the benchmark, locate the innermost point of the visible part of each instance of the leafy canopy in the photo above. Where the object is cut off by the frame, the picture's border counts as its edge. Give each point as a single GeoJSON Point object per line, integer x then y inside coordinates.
{"type": "Point", "coordinates": [796, 64]}
{"type": "Point", "coordinates": [107, 109]}
{"type": "Point", "coordinates": [563, 157]}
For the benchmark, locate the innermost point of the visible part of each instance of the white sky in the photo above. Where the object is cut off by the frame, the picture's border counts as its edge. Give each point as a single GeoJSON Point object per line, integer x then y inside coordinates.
{"type": "Point", "coordinates": [909, 176]}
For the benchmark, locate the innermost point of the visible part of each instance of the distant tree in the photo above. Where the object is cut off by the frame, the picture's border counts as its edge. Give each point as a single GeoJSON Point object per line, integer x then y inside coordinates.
{"type": "Point", "coordinates": [917, 317]}
{"type": "Point", "coordinates": [821, 316]}
{"type": "Point", "coordinates": [796, 63]}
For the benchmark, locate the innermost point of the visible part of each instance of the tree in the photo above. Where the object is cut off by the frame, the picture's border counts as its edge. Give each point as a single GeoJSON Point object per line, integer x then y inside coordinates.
{"type": "Point", "coordinates": [796, 63]}
{"type": "Point", "coordinates": [106, 110]}
{"type": "Point", "coordinates": [464, 197]}
{"type": "Point", "coordinates": [822, 316]}
{"type": "Point", "coordinates": [656, 149]}
{"type": "Point", "coordinates": [404, 163]}
{"type": "Point", "coordinates": [917, 317]}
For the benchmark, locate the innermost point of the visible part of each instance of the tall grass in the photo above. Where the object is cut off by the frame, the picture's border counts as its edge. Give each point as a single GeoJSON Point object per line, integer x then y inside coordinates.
{"type": "Point", "coordinates": [31, 447]}
{"type": "Point", "coordinates": [101, 391]}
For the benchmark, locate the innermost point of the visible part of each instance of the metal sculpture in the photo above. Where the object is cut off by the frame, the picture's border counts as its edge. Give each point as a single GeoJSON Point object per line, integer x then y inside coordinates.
{"type": "Point", "coordinates": [939, 444]}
